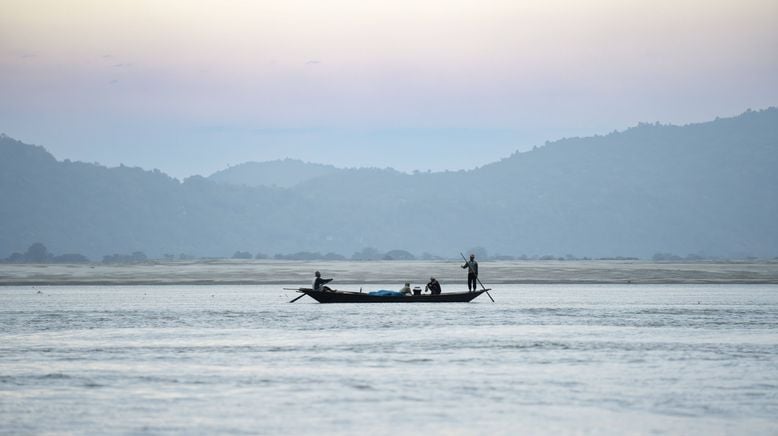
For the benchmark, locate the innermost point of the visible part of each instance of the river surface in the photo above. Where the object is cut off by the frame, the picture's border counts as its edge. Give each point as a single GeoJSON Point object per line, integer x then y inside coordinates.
{"type": "Point", "coordinates": [543, 359]}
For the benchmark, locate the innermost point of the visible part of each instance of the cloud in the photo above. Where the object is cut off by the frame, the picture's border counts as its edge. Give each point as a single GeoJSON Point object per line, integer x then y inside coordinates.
{"type": "Point", "coordinates": [312, 62]}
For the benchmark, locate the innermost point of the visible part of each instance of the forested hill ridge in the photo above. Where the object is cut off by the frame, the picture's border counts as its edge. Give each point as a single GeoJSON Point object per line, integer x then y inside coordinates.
{"type": "Point", "coordinates": [709, 189]}
{"type": "Point", "coordinates": [281, 173]}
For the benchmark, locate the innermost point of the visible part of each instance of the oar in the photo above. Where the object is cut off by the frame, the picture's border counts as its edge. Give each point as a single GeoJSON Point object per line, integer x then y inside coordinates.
{"type": "Point", "coordinates": [301, 296]}
{"type": "Point", "coordinates": [476, 276]}
{"type": "Point", "coordinates": [296, 289]}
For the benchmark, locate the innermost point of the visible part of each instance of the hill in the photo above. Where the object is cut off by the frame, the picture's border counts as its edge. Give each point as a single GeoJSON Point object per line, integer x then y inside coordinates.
{"type": "Point", "coordinates": [283, 173]}
{"type": "Point", "coordinates": [707, 189]}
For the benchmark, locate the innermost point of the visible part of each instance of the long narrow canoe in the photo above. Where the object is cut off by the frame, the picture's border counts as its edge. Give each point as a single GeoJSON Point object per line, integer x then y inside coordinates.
{"type": "Point", "coordinates": [336, 296]}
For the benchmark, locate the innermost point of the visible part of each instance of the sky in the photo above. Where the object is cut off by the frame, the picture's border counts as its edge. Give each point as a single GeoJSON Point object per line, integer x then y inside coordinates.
{"type": "Point", "coordinates": [194, 86]}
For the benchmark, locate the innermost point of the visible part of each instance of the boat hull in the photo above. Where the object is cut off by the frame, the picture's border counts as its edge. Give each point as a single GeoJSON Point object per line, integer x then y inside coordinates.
{"type": "Point", "coordinates": [359, 297]}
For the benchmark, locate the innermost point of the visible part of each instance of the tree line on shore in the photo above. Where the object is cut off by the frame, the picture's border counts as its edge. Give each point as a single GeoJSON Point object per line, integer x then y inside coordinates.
{"type": "Point", "coordinates": [37, 253]}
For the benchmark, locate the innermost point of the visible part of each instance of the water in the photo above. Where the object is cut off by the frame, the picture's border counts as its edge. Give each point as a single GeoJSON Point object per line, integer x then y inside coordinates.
{"type": "Point", "coordinates": [543, 359]}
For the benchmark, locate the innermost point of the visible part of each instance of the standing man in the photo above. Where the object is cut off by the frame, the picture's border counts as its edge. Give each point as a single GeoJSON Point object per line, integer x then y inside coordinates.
{"type": "Point", "coordinates": [472, 273]}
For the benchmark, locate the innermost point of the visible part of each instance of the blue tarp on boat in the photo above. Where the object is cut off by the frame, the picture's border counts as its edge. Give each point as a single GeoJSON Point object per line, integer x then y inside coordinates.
{"type": "Point", "coordinates": [385, 293]}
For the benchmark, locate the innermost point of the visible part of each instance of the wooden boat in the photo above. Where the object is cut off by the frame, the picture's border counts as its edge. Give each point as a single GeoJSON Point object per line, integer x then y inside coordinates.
{"type": "Point", "coordinates": [335, 296]}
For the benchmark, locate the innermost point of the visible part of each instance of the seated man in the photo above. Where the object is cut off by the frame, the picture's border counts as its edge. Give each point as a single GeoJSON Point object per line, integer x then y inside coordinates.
{"type": "Point", "coordinates": [406, 290]}
{"type": "Point", "coordinates": [318, 283]}
{"type": "Point", "coordinates": [433, 286]}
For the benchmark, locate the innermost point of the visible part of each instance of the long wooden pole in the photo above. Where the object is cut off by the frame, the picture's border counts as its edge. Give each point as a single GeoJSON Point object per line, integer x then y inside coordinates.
{"type": "Point", "coordinates": [476, 276]}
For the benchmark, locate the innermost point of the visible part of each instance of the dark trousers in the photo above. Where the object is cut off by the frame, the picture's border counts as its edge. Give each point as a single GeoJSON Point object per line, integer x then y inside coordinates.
{"type": "Point", "coordinates": [471, 281]}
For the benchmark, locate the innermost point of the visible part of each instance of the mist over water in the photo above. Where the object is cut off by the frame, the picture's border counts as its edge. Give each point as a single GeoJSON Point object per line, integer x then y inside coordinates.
{"type": "Point", "coordinates": [545, 359]}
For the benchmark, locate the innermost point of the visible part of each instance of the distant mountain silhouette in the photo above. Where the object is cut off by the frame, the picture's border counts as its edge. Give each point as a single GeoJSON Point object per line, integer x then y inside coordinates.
{"type": "Point", "coordinates": [280, 173]}
{"type": "Point", "coordinates": [709, 189]}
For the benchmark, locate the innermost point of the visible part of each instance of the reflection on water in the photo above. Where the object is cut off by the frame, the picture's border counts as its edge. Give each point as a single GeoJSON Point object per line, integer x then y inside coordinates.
{"type": "Point", "coordinates": [542, 359]}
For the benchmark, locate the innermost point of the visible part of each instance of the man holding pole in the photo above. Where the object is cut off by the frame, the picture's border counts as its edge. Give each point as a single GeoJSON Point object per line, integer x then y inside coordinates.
{"type": "Point", "coordinates": [472, 273]}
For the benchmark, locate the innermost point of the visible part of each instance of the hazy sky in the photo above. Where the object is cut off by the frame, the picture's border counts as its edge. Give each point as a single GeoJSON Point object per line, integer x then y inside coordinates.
{"type": "Point", "coordinates": [190, 86]}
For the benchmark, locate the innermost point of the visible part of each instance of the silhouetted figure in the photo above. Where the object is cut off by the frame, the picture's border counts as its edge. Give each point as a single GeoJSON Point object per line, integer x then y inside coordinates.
{"type": "Point", "coordinates": [318, 283]}
{"type": "Point", "coordinates": [433, 286]}
{"type": "Point", "coordinates": [472, 273]}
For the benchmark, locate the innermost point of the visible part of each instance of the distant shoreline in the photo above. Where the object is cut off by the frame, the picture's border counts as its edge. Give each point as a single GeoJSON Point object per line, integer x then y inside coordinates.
{"type": "Point", "coordinates": [300, 273]}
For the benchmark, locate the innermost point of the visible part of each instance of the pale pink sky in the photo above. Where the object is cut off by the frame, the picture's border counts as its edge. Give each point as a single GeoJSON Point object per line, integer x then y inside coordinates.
{"type": "Point", "coordinates": [191, 86]}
